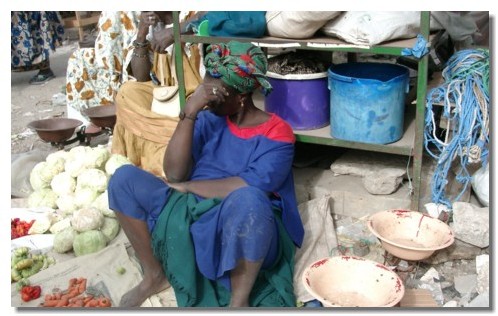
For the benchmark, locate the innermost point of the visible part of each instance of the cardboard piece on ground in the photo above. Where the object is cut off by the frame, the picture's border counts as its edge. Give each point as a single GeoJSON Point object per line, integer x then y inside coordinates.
{"type": "Point", "coordinates": [417, 298]}
{"type": "Point", "coordinates": [319, 240]}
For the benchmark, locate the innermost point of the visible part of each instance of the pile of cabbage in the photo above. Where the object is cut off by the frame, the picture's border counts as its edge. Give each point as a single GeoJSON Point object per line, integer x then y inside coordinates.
{"type": "Point", "coordinates": [74, 184]}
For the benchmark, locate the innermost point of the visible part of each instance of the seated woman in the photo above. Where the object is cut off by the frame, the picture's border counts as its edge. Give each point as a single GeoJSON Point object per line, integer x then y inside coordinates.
{"type": "Point", "coordinates": [223, 228]}
{"type": "Point", "coordinates": [140, 133]}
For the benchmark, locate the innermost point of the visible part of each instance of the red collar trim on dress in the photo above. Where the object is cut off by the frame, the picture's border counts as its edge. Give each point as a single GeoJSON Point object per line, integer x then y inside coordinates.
{"type": "Point", "coordinates": [274, 128]}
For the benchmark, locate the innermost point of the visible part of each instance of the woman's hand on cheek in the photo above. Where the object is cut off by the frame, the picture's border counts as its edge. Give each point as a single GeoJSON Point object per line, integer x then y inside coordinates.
{"type": "Point", "coordinates": [206, 94]}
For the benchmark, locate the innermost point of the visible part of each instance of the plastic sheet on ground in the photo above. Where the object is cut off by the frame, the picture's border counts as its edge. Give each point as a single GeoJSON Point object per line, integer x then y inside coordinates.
{"type": "Point", "coordinates": [100, 270]}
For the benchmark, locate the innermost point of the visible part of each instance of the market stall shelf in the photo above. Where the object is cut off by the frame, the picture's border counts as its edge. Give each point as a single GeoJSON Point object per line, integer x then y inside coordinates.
{"type": "Point", "coordinates": [411, 143]}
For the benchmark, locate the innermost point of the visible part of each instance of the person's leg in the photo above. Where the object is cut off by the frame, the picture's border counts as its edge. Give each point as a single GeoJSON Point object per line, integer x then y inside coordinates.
{"type": "Point", "coordinates": [44, 74]}
{"type": "Point", "coordinates": [251, 237]}
{"type": "Point", "coordinates": [137, 197]}
{"type": "Point", "coordinates": [242, 280]}
{"type": "Point", "coordinates": [154, 279]}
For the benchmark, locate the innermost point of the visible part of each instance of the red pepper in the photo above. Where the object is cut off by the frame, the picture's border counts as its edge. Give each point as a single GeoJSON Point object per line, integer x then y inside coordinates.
{"type": "Point", "coordinates": [19, 228]}
{"type": "Point", "coordinates": [36, 292]}
{"type": "Point", "coordinates": [29, 293]}
{"type": "Point", "coordinates": [25, 297]}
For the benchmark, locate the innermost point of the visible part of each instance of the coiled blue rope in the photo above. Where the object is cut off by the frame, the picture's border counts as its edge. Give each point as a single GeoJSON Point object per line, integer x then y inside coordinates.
{"type": "Point", "coordinates": [465, 99]}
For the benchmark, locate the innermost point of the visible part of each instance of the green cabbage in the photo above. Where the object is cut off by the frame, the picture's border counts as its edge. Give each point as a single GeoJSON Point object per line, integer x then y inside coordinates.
{"type": "Point", "coordinates": [60, 225]}
{"type": "Point", "coordinates": [63, 184]}
{"type": "Point", "coordinates": [97, 158]}
{"type": "Point", "coordinates": [42, 197]}
{"type": "Point", "coordinates": [110, 228]}
{"type": "Point", "coordinates": [102, 203]}
{"type": "Point", "coordinates": [84, 197]}
{"type": "Point", "coordinates": [94, 179]}
{"type": "Point", "coordinates": [78, 152]}
{"type": "Point", "coordinates": [75, 166]}
{"type": "Point", "coordinates": [89, 242]}
{"type": "Point", "coordinates": [35, 178]}
{"type": "Point", "coordinates": [64, 239]}
{"type": "Point", "coordinates": [114, 162]}
{"type": "Point", "coordinates": [51, 169]}
{"type": "Point", "coordinates": [87, 218]}
{"type": "Point", "coordinates": [57, 155]}
{"type": "Point", "coordinates": [67, 204]}
{"type": "Point", "coordinates": [40, 226]}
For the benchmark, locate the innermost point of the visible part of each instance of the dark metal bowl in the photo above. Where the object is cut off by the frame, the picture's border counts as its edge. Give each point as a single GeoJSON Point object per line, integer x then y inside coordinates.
{"type": "Point", "coordinates": [55, 130]}
{"type": "Point", "coordinates": [102, 115]}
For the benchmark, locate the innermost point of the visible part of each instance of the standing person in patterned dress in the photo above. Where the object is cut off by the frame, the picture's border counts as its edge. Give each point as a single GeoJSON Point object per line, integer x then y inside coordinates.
{"type": "Point", "coordinates": [33, 35]}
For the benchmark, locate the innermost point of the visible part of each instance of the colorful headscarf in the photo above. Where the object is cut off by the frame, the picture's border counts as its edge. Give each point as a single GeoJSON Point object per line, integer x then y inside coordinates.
{"type": "Point", "coordinates": [240, 65]}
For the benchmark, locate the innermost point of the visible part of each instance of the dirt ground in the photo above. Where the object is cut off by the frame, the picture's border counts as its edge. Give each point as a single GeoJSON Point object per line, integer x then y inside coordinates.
{"type": "Point", "coordinates": [34, 102]}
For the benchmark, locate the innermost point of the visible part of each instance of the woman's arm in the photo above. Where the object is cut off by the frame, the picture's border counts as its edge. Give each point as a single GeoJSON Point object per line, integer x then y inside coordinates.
{"type": "Point", "coordinates": [162, 39]}
{"type": "Point", "coordinates": [210, 188]}
{"type": "Point", "coordinates": [140, 62]}
{"type": "Point", "coordinates": [177, 163]}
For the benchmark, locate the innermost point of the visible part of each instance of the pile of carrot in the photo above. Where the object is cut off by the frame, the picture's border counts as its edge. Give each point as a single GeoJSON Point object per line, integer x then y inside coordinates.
{"type": "Point", "coordinates": [74, 296]}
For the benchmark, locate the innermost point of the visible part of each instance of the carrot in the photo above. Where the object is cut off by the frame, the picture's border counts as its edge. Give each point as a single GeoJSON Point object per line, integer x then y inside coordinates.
{"type": "Point", "coordinates": [76, 298]}
{"type": "Point", "coordinates": [50, 303]}
{"type": "Point", "coordinates": [92, 303]}
{"type": "Point", "coordinates": [69, 296]}
{"type": "Point", "coordinates": [104, 302]}
{"type": "Point", "coordinates": [62, 302]}
{"type": "Point", "coordinates": [87, 298]}
{"type": "Point", "coordinates": [72, 282]}
{"type": "Point", "coordinates": [78, 303]}
{"type": "Point", "coordinates": [74, 292]}
{"type": "Point", "coordinates": [82, 286]}
{"type": "Point", "coordinates": [73, 296]}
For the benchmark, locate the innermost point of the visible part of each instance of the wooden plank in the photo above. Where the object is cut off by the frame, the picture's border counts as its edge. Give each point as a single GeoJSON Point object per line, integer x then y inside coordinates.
{"type": "Point", "coordinates": [73, 22]}
{"type": "Point", "coordinates": [417, 298]}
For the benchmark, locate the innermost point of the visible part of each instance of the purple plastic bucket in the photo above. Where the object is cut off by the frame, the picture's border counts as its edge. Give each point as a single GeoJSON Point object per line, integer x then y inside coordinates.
{"type": "Point", "coordinates": [301, 100]}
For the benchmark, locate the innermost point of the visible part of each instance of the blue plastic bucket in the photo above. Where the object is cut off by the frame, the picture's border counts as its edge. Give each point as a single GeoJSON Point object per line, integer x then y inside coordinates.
{"type": "Point", "coordinates": [367, 101]}
{"type": "Point", "coordinates": [301, 100]}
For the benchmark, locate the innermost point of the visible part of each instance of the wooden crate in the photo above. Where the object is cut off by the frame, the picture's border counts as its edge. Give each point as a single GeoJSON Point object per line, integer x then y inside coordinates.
{"type": "Point", "coordinates": [79, 21]}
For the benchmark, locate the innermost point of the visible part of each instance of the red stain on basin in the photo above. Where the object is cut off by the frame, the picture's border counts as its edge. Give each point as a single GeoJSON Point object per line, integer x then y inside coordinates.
{"type": "Point", "coordinates": [402, 213]}
{"type": "Point", "coordinates": [319, 263]}
{"type": "Point", "coordinates": [398, 285]}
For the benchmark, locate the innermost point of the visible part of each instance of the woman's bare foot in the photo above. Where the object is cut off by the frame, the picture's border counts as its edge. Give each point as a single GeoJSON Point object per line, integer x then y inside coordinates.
{"type": "Point", "coordinates": [148, 287]}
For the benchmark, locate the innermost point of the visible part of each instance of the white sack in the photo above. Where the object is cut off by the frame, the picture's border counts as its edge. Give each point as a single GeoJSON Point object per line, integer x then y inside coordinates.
{"type": "Point", "coordinates": [297, 24]}
{"type": "Point", "coordinates": [480, 184]}
{"type": "Point", "coordinates": [374, 27]}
